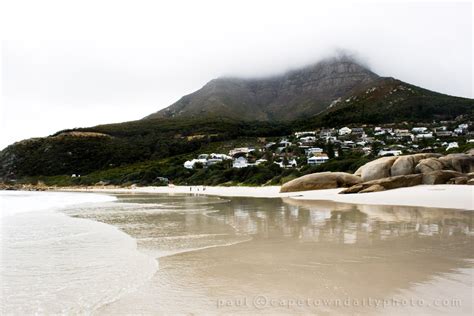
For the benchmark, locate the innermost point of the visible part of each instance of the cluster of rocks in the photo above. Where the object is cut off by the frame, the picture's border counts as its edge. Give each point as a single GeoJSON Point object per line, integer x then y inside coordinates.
{"type": "Point", "coordinates": [388, 173]}
{"type": "Point", "coordinates": [22, 187]}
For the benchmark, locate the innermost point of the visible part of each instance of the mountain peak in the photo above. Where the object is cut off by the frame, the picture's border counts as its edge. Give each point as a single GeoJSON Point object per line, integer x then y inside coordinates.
{"type": "Point", "coordinates": [294, 94]}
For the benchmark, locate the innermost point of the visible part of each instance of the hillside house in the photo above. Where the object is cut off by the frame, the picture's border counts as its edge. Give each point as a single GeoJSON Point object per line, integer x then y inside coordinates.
{"type": "Point", "coordinates": [424, 135]}
{"type": "Point", "coordinates": [291, 164]}
{"type": "Point", "coordinates": [443, 133]}
{"type": "Point", "coordinates": [299, 134]}
{"type": "Point", "coordinates": [419, 130]}
{"type": "Point", "coordinates": [389, 152]}
{"type": "Point", "coordinates": [358, 131]}
{"type": "Point", "coordinates": [318, 159]}
{"type": "Point", "coordinates": [452, 145]}
{"type": "Point", "coordinates": [308, 139]}
{"type": "Point", "coordinates": [240, 162]}
{"type": "Point", "coordinates": [241, 151]}
{"type": "Point", "coordinates": [344, 131]}
{"type": "Point", "coordinates": [313, 151]}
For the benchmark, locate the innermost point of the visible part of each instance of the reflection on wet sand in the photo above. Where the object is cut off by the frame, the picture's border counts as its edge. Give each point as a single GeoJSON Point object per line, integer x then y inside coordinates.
{"type": "Point", "coordinates": [274, 251]}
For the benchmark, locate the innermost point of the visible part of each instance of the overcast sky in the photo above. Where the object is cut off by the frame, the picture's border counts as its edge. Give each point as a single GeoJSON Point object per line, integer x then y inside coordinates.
{"type": "Point", "coordinates": [93, 62]}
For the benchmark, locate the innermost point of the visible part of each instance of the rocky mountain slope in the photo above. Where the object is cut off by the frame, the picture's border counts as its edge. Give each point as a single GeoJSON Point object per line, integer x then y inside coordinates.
{"type": "Point", "coordinates": [336, 91]}
{"type": "Point", "coordinates": [293, 95]}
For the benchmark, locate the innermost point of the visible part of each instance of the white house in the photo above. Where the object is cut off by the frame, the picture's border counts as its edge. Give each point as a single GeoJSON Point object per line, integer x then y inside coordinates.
{"type": "Point", "coordinates": [318, 159]}
{"type": "Point", "coordinates": [206, 160]}
{"type": "Point", "coordinates": [313, 150]}
{"type": "Point", "coordinates": [220, 156]}
{"type": "Point", "coordinates": [242, 150]}
{"type": "Point", "coordinates": [270, 144]}
{"type": "Point", "coordinates": [452, 145]}
{"type": "Point", "coordinates": [191, 163]}
{"type": "Point", "coordinates": [308, 139]}
{"type": "Point", "coordinates": [240, 162]}
{"type": "Point", "coordinates": [419, 130]}
{"type": "Point", "coordinates": [291, 164]}
{"type": "Point", "coordinates": [344, 131]}
{"type": "Point", "coordinates": [424, 135]}
{"type": "Point", "coordinates": [284, 143]}
{"type": "Point", "coordinates": [299, 134]}
{"type": "Point", "coordinates": [390, 153]}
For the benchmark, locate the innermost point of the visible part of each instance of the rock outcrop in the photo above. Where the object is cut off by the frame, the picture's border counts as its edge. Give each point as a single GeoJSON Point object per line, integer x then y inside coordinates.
{"type": "Point", "coordinates": [319, 181]}
{"type": "Point", "coordinates": [376, 169]}
{"type": "Point", "coordinates": [440, 176]}
{"type": "Point", "coordinates": [458, 180]}
{"type": "Point", "coordinates": [429, 165]}
{"type": "Point", "coordinates": [418, 163]}
{"type": "Point", "coordinates": [385, 184]}
{"type": "Point", "coordinates": [458, 162]}
{"type": "Point", "coordinates": [388, 173]}
{"type": "Point", "coordinates": [404, 165]}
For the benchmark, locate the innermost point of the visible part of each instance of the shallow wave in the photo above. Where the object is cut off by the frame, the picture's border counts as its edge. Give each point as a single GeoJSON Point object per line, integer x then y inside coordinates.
{"type": "Point", "coordinates": [52, 263]}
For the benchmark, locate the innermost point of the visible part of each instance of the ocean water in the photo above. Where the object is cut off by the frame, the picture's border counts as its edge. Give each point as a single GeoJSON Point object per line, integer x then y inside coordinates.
{"type": "Point", "coordinates": [152, 254]}
{"type": "Point", "coordinates": [52, 263]}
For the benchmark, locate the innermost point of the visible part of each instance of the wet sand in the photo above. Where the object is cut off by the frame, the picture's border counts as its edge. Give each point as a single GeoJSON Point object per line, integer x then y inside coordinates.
{"type": "Point", "coordinates": [285, 256]}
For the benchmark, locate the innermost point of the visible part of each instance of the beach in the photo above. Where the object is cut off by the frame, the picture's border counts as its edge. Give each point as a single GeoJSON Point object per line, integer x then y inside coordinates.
{"type": "Point", "coordinates": [227, 250]}
{"type": "Point", "coordinates": [439, 196]}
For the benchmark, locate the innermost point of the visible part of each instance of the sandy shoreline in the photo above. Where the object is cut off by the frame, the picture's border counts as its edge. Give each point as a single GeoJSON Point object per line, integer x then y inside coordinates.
{"type": "Point", "coordinates": [440, 196]}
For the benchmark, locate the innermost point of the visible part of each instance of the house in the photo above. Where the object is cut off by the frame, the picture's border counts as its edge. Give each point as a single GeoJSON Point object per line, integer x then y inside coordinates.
{"type": "Point", "coordinates": [331, 139]}
{"type": "Point", "coordinates": [458, 131]}
{"type": "Point", "coordinates": [357, 131]}
{"type": "Point", "coordinates": [452, 145]}
{"type": "Point", "coordinates": [206, 160]}
{"type": "Point", "coordinates": [461, 129]}
{"type": "Point", "coordinates": [291, 164]}
{"type": "Point", "coordinates": [190, 164]}
{"type": "Point", "coordinates": [424, 135]}
{"type": "Point", "coordinates": [219, 156]}
{"type": "Point", "coordinates": [349, 143]}
{"type": "Point", "coordinates": [284, 143]}
{"type": "Point", "coordinates": [313, 150]}
{"type": "Point", "coordinates": [326, 133]}
{"type": "Point", "coordinates": [443, 133]}
{"type": "Point", "coordinates": [404, 134]}
{"type": "Point", "coordinates": [240, 162]}
{"type": "Point", "coordinates": [308, 139]}
{"type": "Point", "coordinates": [270, 144]}
{"type": "Point", "coordinates": [318, 159]}
{"type": "Point", "coordinates": [299, 134]}
{"type": "Point", "coordinates": [390, 152]}
{"type": "Point", "coordinates": [419, 130]}
{"type": "Point", "coordinates": [344, 131]}
{"type": "Point", "coordinates": [242, 150]}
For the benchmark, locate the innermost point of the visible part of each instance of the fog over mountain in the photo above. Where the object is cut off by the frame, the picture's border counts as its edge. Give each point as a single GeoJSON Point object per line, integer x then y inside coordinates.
{"type": "Point", "coordinates": [295, 94]}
